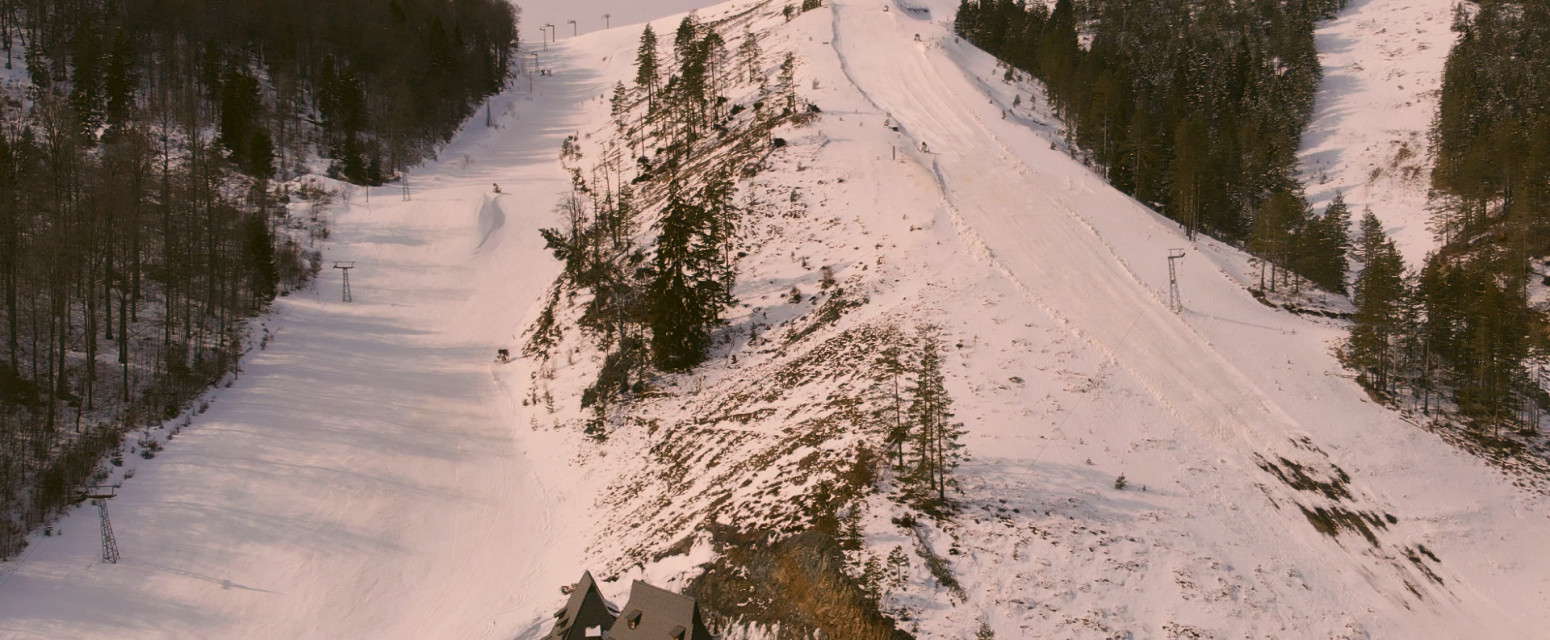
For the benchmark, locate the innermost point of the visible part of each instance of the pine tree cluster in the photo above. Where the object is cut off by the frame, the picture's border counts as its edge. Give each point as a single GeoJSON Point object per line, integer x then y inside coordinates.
{"type": "Point", "coordinates": [655, 306]}
{"type": "Point", "coordinates": [1195, 108]}
{"type": "Point", "coordinates": [1458, 331]}
{"type": "Point", "coordinates": [922, 439]}
{"type": "Point", "coordinates": [1461, 329]}
{"type": "Point", "coordinates": [1492, 131]}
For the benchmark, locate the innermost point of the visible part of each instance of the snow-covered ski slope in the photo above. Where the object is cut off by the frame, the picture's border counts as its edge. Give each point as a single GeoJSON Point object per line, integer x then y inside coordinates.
{"type": "Point", "coordinates": [1245, 381]}
{"type": "Point", "coordinates": [374, 474]}
{"type": "Point", "coordinates": [1382, 63]}
{"type": "Point", "coordinates": [361, 478]}
{"type": "Point", "coordinates": [589, 16]}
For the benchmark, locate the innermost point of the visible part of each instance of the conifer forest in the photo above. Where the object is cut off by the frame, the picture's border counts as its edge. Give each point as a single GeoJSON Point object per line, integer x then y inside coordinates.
{"type": "Point", "coordinates": [871, 319]}
{"type": "Point", "coordinates": [1197, 109]}
{"type": "Point", "coordinates": [143, 193]}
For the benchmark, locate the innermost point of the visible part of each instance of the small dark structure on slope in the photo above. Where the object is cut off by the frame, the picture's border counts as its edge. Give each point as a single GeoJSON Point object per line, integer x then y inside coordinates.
{"type": "Point", "coordinates": [586, 614]}
{"type": "Point", "coordinates": [658, 614]}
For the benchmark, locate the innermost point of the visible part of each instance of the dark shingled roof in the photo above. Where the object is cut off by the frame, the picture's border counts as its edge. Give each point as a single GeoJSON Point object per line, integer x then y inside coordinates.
{"type": "Point", "coordinates": [585, 609]}
{"type": "Point", "coordinates": [658, 614]}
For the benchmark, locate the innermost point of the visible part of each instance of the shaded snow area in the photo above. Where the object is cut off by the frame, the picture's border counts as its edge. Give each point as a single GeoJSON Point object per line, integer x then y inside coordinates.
{"type": "Point", "coordinates": [373, 473]}
{"type": "Point", "coordinates": [1369, 138]}
{"type": "Point", "coordinates": [361, 478]}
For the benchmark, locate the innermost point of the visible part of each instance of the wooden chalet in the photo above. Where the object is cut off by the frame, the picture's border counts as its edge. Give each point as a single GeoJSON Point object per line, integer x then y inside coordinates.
{"type": "Point", "coordinates": [586, 614]}
{"type": "Point", "coordinates": [658, 614]}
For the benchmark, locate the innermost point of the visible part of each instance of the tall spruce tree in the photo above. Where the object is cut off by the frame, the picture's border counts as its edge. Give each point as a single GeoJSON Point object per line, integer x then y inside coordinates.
{"type": "Point", "coordinates": [1368, 236]}
{"type": "Point", "coordinates": [891, 362]}
{"type": "Point", "coordinates": [1323, 246]}
{"type": "Point", "coordinates": [647, 71]}
{"type": "Point", "coordinates": [749, 55]}
{"type": "Point", "coordinates": [1381, 302]}
{"type": "Point", "coordinates": [690, 284]}
{"type": "Point", "coordinates": [1275, 229]}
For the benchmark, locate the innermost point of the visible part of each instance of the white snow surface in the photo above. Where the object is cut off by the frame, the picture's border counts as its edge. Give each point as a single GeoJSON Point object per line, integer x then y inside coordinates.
{"type": "Point", "coordinates": [374, 474]}
{"type": "Point", "coordinates": [588, 17]}
{"type": "Point", "coordinates": [1369, 139]}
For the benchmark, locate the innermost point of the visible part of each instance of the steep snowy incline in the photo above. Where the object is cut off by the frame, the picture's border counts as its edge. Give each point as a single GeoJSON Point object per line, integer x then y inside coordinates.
{"type": "Point", "coordinates": [1382, 63]}
{"type": "Point", "coordinates": [1094, 259]}
{"type": "Point", "coordinates": [363, 478]}
{"type": "Point", "coordinates": [1029, 223]}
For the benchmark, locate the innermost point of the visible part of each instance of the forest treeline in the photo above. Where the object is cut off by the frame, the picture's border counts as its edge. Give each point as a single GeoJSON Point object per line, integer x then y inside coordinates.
{"type": "Point", "coordinates": [1462, 328]}
{"type": "Point", "coordinates": [1195, 108]}
{"type": "Point", "coordinates": [380, 83]}
{"type": "Point", "coordinates": [141, 220]}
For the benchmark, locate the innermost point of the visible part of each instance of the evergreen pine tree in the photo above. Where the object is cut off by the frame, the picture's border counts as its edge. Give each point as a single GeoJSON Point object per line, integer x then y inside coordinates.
{"type": "Point", "coordinates": [647, 73]}
{"type": "Point", "coordinates": [690, 285]}
{"type": "Point", "coordinates": [1369, 237]}
{"type": "Point", "coordinates": [685, 38]}
{"type": "Point", "coordinates": [87, 96]}
{"type": "Point", "coordinates": [1188, 174]}
{"type": "Point", "coordinates": [788, 82]}
{"type": "Point", "coordinates": [1273, 235]}
{"type": "Point", "coordinates": [1381, 299]}
{"type": "Point", "coordinates": [749, 54]}
{"type": "Point", "coordinates": [891, 361]}
{"type": "Point", "coordinates": [1323, 246]}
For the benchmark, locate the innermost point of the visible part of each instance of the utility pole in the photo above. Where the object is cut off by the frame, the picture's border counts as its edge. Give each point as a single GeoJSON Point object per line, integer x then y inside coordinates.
{"type": "Point", "coordinates": [345, 267]}
{"type": "Point", "coordinates": [532, 72]}
{"type": "Point", "coordinates": [1174, 301]}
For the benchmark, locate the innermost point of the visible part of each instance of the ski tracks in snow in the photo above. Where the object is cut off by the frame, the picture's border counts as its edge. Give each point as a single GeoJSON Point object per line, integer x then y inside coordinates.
{"type": "Point", "coordinates": [1038, 239]}
{"type": "Point", "coordinates": [1022, 221]}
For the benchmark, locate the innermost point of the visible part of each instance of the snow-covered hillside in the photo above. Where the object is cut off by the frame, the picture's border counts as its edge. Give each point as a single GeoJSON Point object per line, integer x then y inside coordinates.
{"type": "Point", "coordinates": [375, 474]}
{"type": "Point", "coordinates": [360, 479]}
{"type": "Point", "coordinates": [1369, 137]}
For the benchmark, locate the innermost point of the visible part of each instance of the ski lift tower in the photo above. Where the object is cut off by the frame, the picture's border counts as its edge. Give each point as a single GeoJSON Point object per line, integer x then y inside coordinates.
{"type": "Point", "coordinates": [1174, 301]}
{"type": "Point", "coordinates": [346, 267]}
{"type": "Point", "coordinates": [99, 496]}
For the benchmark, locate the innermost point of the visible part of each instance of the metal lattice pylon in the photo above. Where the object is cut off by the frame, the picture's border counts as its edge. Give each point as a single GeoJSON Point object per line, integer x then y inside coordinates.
{"type": "Point", "coordinates": [109, 543]}
{"type": "Point", "coordinates": [345, 267]}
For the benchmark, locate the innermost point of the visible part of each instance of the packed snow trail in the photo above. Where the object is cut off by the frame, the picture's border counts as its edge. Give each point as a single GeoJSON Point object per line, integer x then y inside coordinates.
{"type": "Point", "coordinates": [1030, 226]}
{"type": "Point", "coordinates": [1033, 211]}
{"type": "Point", "coordinates": [364, 477]}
